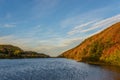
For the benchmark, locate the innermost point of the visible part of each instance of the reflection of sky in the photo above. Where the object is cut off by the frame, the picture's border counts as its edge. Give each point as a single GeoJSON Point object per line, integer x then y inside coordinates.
{"type": "Point", "coordinates": [53, 26]}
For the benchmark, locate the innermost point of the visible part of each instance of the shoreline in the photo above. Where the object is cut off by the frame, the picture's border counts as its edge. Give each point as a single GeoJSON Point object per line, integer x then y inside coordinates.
{"type": "Point", "coordinates": [100, 63]}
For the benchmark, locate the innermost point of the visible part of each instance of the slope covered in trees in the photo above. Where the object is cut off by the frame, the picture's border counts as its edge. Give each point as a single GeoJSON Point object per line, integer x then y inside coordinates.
{"type": "Point", "coordinates": [102, 47]}
{"type": "Point", "coordinates": [10, 51]}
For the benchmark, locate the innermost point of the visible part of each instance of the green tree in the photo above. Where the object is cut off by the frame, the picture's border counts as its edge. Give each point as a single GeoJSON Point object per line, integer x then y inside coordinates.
{"type": "Point", "coordinates": [96, 50]}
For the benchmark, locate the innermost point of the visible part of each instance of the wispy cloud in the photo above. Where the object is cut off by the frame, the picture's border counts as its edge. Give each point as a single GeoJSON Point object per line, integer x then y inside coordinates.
{"type": "Point", "coordinates": [82, 18]}
{"type": "Point", "coordinates": [95, 14]}
{"type": "Point", "coordinates": [78, 28]}
{"type": "Point", "coordinates": [8, 25]}
{"type": "Point", "coordinates": [95, 25]}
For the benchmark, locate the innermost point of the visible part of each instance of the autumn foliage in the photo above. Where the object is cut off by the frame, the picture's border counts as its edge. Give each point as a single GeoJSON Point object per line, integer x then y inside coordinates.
{"type": "Point", "coordinates": [104, 47]}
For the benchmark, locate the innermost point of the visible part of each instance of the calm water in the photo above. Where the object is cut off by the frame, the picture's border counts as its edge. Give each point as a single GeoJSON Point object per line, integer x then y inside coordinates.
{"type": "Point", "coordinates": [54, 69]}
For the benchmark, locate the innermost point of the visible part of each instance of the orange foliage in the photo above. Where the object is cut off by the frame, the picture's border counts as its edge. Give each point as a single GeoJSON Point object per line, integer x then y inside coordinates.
{"type": "Point", "coordinates": [110, 39]}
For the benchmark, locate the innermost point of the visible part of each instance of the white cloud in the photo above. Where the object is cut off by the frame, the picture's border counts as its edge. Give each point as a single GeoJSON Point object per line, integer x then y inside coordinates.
{"type": "Point", "coordinates": [95, 14]}
{"type": "Point", "coordinates": [105, 23]}
{"type": "Point", "coordinates": [78, 28]}
{"type": "Point", "coordinates": [82, 25]}
{"type": "Point", "coordinates": [79, 19]}
{"type": "Point", "coordinates": [100, 24]}
{"type": "Point", "coordinates": [8, 25]}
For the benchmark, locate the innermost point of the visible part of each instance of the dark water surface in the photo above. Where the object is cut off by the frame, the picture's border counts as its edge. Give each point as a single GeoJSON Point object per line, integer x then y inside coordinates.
{"type": "Point", "coordinates": [54, 69]}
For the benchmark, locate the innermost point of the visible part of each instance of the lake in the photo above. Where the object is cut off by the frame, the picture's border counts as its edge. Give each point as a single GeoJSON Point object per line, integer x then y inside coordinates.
{"type": "Point", "coordinates": [55, 69]}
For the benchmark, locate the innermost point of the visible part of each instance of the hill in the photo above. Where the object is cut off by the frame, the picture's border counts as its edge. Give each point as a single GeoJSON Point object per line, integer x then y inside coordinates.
{"type": "Point", "coordinates": [10, 51]}
{"type": "Point", "coordinates": [102, 47]}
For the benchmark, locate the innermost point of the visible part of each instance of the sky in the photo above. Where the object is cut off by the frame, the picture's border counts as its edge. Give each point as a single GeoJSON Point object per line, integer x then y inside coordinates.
{"type": "Point", "coordinates": [54, 26]}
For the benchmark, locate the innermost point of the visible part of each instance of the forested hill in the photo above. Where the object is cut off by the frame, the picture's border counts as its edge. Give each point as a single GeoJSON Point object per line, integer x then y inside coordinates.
{"type": "Point", "coordinates": [10, 51]}
{"type": "Point", "coordinates": [102, 47]}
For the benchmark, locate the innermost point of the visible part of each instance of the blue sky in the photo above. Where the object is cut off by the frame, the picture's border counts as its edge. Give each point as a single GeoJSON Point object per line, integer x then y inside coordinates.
{"type": "Point", "coordinates": [54, 26]}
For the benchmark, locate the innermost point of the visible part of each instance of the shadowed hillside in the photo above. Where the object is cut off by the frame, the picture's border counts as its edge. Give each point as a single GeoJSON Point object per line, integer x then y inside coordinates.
{"type": "Point", "coordinates": [10, 51]}
{"type": "Point", "coordinates": [104, 46]}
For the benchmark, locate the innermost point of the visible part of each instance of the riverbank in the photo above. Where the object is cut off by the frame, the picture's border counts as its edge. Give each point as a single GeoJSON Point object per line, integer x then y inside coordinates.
{"type": "Point", "coordinates": [5, 56]}
{"type": "Point", "coordinates": [100, 63]}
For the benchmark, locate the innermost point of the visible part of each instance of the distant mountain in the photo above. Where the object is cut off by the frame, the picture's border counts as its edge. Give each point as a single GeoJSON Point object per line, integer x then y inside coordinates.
{"type": "Point", "coordinates": [10, 51]}
{"type": "Point", "coordinates": [102, 47]}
